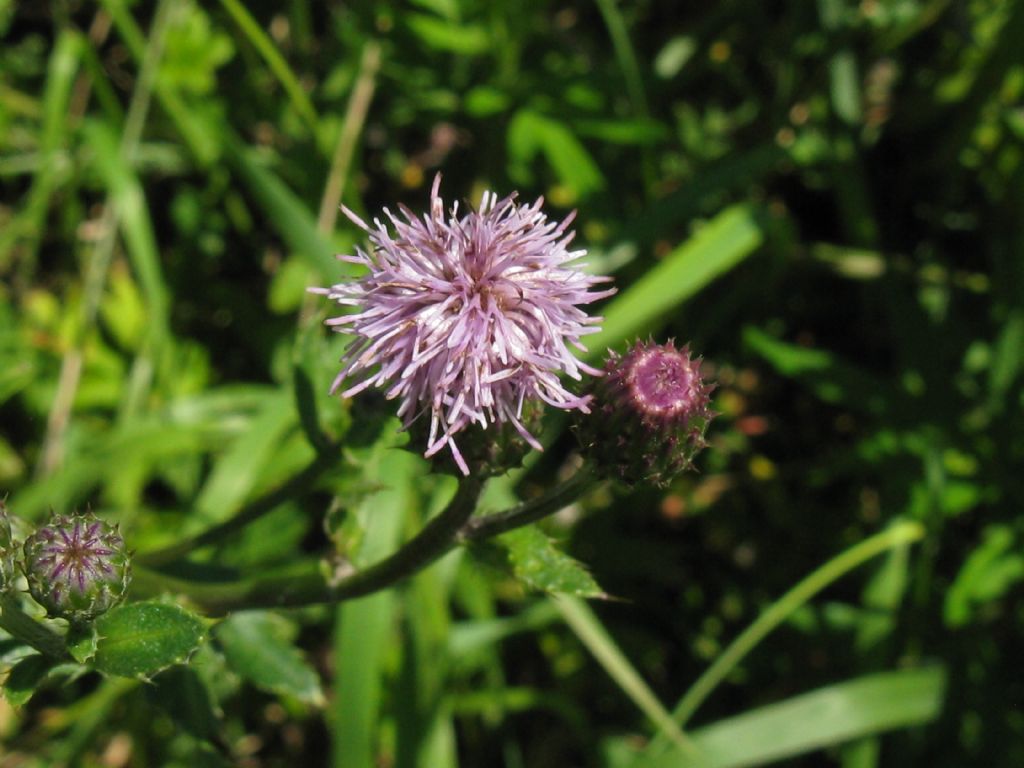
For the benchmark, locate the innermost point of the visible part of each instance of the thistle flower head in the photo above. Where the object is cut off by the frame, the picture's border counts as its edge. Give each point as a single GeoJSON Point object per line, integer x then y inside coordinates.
{"type": "Point", "coordinates": [77, 566]}
{"type": "Point", "coordinates": [464, 317]}
{"type": "Point", "coordinates": [650, 414]}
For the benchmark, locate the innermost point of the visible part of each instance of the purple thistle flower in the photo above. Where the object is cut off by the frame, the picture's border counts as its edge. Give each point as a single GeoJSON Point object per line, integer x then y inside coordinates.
{"type": "Point", "coordinates": [464, 318]}
{"type": "Point", "coordinates": [76, 566]}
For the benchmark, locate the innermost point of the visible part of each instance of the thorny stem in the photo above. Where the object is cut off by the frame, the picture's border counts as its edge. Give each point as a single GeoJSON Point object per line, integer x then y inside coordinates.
{"type": "Point", "coordinates": [556, 499]}
{"type": "Point", "coordinates": [443, 533]}
{"type": "Point", "coordinates": [435, 539]}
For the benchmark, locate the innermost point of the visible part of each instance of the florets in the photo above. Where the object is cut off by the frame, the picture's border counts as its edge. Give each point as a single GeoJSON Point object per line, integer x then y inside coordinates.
{"type": "Point", "coordinates": [464, 318]}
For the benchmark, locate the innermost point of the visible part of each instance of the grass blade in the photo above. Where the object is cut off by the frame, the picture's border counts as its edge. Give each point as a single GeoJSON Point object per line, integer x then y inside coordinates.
{"type": "Point", "coordinates": [832, 715]}
{"type": "Point", "coordinates": [730, 237]}
{"type": "Point", "coordinates": [268, 51]}
{"type": "Point", "coordinates": [364, 626]}
{"type": "Point", "coordinates": [595, 637]}
{"type": "Point", "coordinates": [898, 535]}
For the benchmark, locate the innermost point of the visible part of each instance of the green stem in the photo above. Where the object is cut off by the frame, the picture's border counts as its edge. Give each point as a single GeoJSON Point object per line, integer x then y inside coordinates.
{"type": "Point", "coordinates": [898, 535]}
{"type": "Point", "coordinates": [250, 512]}
{"type": "Point", "coordinates": [452, 527]}
{"type": "Point", "coordinates": [435, 539]}
{"type": "Point", "coordinates": [23, 627]}
{"type": "Point", "coordinates": [528, 512]}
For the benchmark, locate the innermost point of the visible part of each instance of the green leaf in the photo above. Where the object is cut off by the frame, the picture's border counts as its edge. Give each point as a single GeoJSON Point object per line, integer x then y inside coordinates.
{"type": "Point", "coordinates": [467, 39]}
{"type": "Point", "coordinates": [531, 133]}
{"type": "Point", "coordinates": [82, 641]}
{"type": "Point", "coordinates": [592, 633]}
{"type": "Point", "coordinates": [897, 535]}
{"type": "Point", "coordinates": [719, 246]}
{"type": "Point", "coordinates": [364, 628]}
{"type": "Point", "coordinates": [989, 571]}
{"type": "Point", "coordinates": [258, 646]}
{"type": "Point", "coordinates": [285, 212]}
{"type": "Point", "coordinates": [825, 717]}
{"type": "Point", "coordinates": [25, 677]}
{"type": "Point", "coordinates": [830, 378]}
{"type": "Point", "coordinates": [183, 694]}
{"type": "Point", "coordinates": [33, 672]}
{"type": "Point", "coordinates": [239, 470]}
{"type": "Point", "coordinates": [536, 562]}
{"type": "Point", "coordinates": [274, 60]}
{"type": "Point", "coordinates": [140, 639]}
{"type": "Point", "coordinates": [128, 197]}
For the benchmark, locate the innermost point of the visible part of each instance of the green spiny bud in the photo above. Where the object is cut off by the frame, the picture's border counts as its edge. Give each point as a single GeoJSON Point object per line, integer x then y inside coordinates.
{"type": "Point", "coordinates": [649, 414]}
{"type": "Point", "coordinates": [486, 452]}
{"type": "Point", "coordinates": [77, 566]}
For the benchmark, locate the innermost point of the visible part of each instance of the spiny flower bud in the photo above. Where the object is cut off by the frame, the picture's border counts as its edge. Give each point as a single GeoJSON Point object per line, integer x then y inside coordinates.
{"type": "Point", "coordinates": [77, 566]}
{"type": "Point", "coordinates": [650, 411]}
{"type": "Point", "coordinates": [7, 573]}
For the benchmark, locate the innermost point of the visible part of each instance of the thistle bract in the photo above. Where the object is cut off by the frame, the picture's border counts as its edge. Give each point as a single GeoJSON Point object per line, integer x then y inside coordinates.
{"type": "Point", "coordinates": [464, 318]}
{"type": "Point", "coordinates": [650, 412]}
{"type": "Point", "coordinates": [77, 566]}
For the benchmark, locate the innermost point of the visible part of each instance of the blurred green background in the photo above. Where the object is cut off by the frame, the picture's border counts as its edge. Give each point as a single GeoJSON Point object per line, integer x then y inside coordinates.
{"type": "Point", "coordinates": [824, 198]}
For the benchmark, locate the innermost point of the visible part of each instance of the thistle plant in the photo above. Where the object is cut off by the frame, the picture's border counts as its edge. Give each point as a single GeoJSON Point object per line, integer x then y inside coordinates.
{"type": "Point", "coordinates": [651, 413]}
{"type": "Point", "coordinates": [471, 321]}
{"type": "Point", "coordinates": [77, 566]}
{"type": "Point", "coordinates": [465, 318]}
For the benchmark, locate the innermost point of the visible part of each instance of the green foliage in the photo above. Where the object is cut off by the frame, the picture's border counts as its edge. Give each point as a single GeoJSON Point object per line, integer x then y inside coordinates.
{"type": "Point", "coordinates": [532, 558]}
{"type": "Point", "coordinates": [258, 646]}
{"type": "Point", "coordinates": [823, 198]}
{"type": "Point", "coordinates": [141, 639]}
{"type": "Point", "coordinates": [806, 723]}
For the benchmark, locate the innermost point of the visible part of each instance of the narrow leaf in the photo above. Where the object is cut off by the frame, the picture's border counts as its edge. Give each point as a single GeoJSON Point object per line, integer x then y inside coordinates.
{"type": "Point", "coordinates": [719, 246]}
{"type": "Point", "coordinates": [595, 637]}
{"type": "Point", "coordinates": [825, 717]}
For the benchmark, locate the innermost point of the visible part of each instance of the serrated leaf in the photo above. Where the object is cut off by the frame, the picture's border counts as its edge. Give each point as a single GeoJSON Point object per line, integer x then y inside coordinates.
{"type": "Point", "coordinates": [140, 639]}
{"type": "Point", "coordinates": [82, 641]}
{"type": "Point", "coordinates": [258, 646]}
{"type": "Point", "coordinates": [536, 562]}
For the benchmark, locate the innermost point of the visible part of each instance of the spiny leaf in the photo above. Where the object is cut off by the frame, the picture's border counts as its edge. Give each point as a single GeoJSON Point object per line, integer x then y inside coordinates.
{"type": "Point", "coordinates": [140, 639]}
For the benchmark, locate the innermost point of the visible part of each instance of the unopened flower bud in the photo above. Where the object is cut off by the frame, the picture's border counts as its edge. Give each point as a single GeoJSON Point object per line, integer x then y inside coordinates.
{"type": "Point", "coordinates": [77, 566]}
{"type": "Point", "coordinates": [649, 414]}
